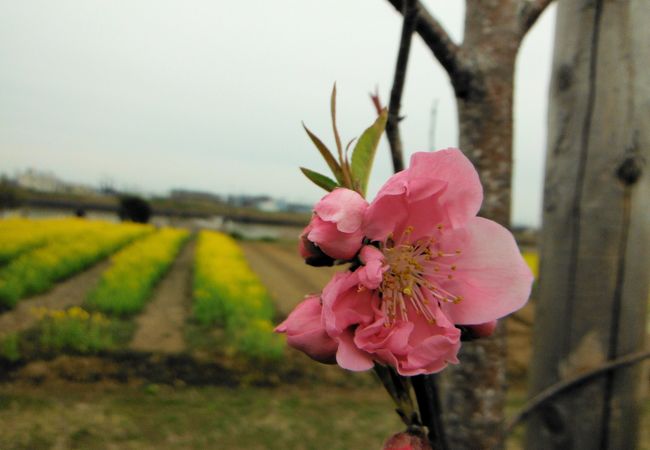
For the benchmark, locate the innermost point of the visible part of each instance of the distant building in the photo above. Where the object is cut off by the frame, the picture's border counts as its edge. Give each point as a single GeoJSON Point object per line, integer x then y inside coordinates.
{"type": "Point", "coordinates": [48, 182]}
{"type": "Point", "coordinates": [299, 208]}
{"type": "Point", "coordinates": [187, 194]}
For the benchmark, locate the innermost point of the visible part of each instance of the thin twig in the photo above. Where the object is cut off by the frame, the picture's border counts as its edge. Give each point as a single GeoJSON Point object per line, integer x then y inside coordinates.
{"type": "Point", "coordinates": [569, 383]}
{"type": "Point", "coordinates": [529, 12]}
{"type": "Point", "coordinates": [428, 397]}
{"type": "Point", "coordinates": [439, 42]}
{"type": "Point", "coordinates": [392, 125]}
{"type": "Point", "coordinates": [399, 389]}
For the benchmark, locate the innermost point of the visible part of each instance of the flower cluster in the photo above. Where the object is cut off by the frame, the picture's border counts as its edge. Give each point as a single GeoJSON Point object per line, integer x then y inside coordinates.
{"type": "Point", "coordinates": [421, 264]}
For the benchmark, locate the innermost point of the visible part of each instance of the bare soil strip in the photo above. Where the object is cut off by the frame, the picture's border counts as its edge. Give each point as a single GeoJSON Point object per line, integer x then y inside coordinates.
{"type": "Point", "coordinates": [284, 273]}
{"type": "Point", "coordinates": [160, 325]}
{"type": "Point", "coordinates": [65, 294]}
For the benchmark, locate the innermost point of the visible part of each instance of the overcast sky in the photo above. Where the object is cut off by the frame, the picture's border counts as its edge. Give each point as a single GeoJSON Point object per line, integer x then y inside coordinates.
{"type": "Point", "coordinates": [209, 94]}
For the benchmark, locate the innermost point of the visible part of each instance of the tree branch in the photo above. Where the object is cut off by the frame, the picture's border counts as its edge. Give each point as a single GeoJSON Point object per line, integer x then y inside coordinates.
{"type": "Point", "coordinates": [428, 397]}
{"type": "Point", "coordinates": [410, 13]}
{"type": "Point", "coordinates": [572, 382]}
{"type": "Point", "coordinates": [437, 39]}
{"type": "Point", "coordinates": [529, 12]}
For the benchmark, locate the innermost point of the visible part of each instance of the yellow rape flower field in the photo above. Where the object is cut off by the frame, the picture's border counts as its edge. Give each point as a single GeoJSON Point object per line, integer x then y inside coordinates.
{"type": "Point", "coordinates": [153, 399]}
{"type": "Point", "coordinates": [58, 249]}
{"type": "Point", "coordinates": [127, 284]}
{"type": "Point", "coordinates": [225, 298]}
{"type": "Point", "coordinates": [228, 293]}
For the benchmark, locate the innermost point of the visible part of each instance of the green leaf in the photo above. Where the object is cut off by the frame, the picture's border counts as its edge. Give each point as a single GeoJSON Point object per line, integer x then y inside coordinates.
{"type": "Point", "coordinates": [364, 152]}
{"type": "Point", "coordinates": [337, 138]}
{"type": "Point", "coordinates": [320, 180]}
{"type": "Point", "coordinates": [327, 155]}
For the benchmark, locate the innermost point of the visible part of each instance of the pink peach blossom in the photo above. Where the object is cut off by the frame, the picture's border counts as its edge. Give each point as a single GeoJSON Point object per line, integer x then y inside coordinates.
{"type": "Point", "coordinates": [428, 264]}
{"type": "Point", "coordinates": [335, 228]}
{"type": "Point", "coordinates": [354, 315]}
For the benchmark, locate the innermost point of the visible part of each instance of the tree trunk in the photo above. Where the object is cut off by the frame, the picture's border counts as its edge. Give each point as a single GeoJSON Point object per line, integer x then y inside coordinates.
{"type": "Point", "coordinates": [596, 226]}
{"type": "Point", "coordinates": [475, 390]}
{"type": "Point", "coordinates": [481, 71]}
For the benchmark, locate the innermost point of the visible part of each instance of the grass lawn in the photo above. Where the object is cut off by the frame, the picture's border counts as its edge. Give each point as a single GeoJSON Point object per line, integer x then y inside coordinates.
{"type": "Point", "coordinates": [117, 416]}
{"type": "Point", "coordinates": [163, 417]}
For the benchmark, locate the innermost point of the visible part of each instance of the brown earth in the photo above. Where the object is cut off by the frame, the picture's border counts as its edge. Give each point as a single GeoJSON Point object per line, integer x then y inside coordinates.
{"type": "Point", "coordinates": [280, 268]}
{"type": "Point", "coordinates": [160, 325]}
{"type": "Point", "coordinates": [71, 292]}
{"type": "Point", "coordinates": [284, 273]}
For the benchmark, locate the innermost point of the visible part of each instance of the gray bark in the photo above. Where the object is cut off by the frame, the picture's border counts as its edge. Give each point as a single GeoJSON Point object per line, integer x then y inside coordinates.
{"type": "Point", "coordinates": [474, 391]}
{"type": "Point", "coordinates": [481, 71]}
{"type": "Point", "coordinates": [596, 226]}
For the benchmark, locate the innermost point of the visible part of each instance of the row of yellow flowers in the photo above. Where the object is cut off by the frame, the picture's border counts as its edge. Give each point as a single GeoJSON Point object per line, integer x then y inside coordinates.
{"type": "Point", "coordinates": [70, 246]}
{"type": "Point", "coordinates": [18, 235]}
{"type": "Point", "coordinates": [126, 286]}
{"type": "Point", "coordinates": [73, 329]}
{"type": "Point", "coordinates": [226, 292]}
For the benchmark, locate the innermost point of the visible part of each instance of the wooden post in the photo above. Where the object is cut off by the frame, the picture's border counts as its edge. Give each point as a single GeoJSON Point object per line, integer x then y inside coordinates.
{"type": "Point", "coordinates": [595, 248]}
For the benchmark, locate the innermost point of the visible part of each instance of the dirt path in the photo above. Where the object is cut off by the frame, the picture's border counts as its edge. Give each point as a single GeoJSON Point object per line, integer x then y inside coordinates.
{"type": "Point", "coordinates": [160, 325]}
{"type": "Point", "coordinates": [284, 273]}
{"type": "Point", "coordinates": [67, 293]}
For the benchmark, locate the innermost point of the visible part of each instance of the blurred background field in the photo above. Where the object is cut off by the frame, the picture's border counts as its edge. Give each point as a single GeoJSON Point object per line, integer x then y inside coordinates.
{"type": "Point", "coordinates": [171, 329]}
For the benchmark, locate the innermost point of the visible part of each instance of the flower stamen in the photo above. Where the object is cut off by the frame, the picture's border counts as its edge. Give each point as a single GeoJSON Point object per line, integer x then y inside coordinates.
{"type": "Point", "coordinates": [415, 272]}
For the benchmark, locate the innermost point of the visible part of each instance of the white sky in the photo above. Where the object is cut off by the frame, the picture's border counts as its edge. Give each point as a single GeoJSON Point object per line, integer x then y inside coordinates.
{"type": "Point", "coordinates": [209, 94]}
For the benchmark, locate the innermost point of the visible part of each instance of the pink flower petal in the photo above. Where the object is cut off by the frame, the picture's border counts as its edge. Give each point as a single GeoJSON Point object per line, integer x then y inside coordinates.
{"type": "Point", "coordinates": [372, 273]}
{"type": "Point", "coordinates": [432, 354]}
{"type": "Point", "coordinates": [491, 276]}
{"type": "Point", "coordinates": [350, 357]}
{"type": "Point", "coordinates": [384, 215]}
{"type": "Point", "coordinates": [333, 242]}
{"type": "Point", "coordinates": [462, 197]}
{"type": "Point", "coordinates": [378, 337]}
{"type": "Point", "coordinates": [344, 305]}
{"type": "Point", "coordinates": [344, 207]}
{"type": "Point", "coordinates": [306, 333]}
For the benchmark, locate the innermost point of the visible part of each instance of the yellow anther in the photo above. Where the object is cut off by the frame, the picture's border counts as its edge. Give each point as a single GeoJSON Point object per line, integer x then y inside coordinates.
{"type": "Point", "coordinates": [453, 267]}
{"type": "Point", "coordinates": [407, 290]}
{"type": "Point", "coordinates": [450, 276]}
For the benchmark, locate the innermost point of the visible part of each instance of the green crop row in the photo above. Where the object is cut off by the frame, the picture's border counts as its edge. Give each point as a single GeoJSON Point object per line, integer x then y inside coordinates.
{"type": "Point", "coordinates": [226, 292]}
{"type": "Point", "coordinates": [127, 285]}
{"type": "Point", "coordinates": [36, 270]}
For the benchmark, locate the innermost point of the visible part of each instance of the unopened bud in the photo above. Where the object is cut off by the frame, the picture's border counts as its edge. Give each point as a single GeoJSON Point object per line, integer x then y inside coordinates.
{"type": "Point", "coordinates": [471, 332]}
{"type": "Point", "coordinates": [407, 440]}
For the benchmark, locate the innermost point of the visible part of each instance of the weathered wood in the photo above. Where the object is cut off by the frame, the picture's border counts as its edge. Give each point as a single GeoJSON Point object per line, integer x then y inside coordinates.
{"type": "Point", "coordinates": [595, 259]}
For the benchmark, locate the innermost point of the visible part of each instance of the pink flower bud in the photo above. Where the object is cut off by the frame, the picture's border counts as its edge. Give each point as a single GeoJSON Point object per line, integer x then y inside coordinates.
{"type": "Point", "coordinates": [407, 441]}
{"type": "Point", "coordinates": [305, 331]}
{"type": "Point", "coordinates": [335, 228]}
{"type": "Point", "coordinates": [484, 329]}
{"type": "Point", "coordinates": [471, 332]}
{"type": "Point", "coordinates": [312, 255]}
